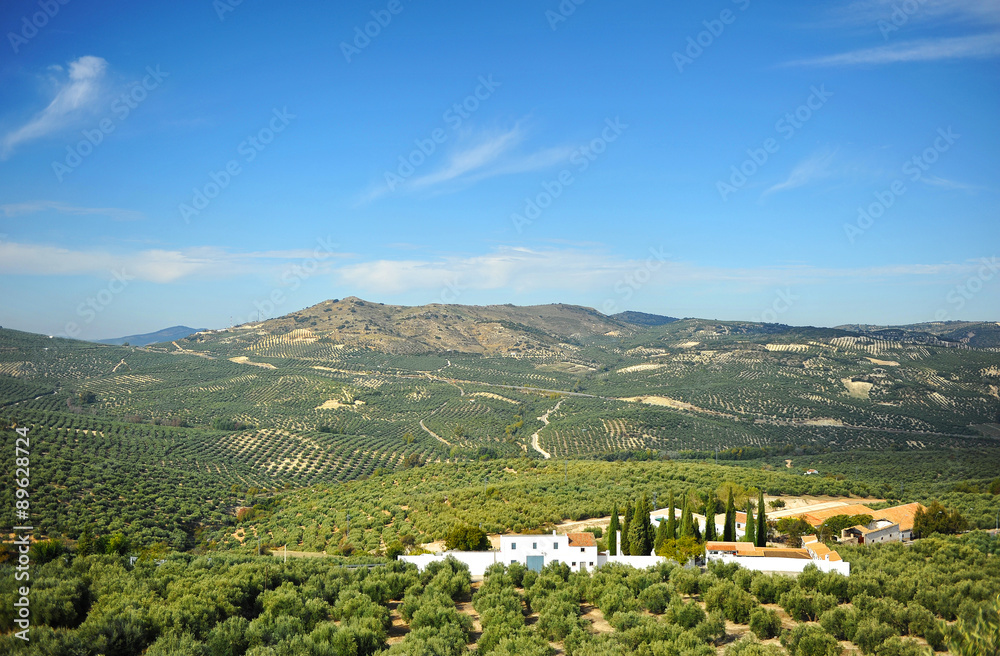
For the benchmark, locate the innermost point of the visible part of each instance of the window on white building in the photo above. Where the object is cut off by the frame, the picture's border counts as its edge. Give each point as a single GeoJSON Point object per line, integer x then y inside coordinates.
{"type": "Point", "coordinates": [534, 545]}
{"type": "Point", "coordinates": [555, 545]}
{"type": "Point", "coordinates": [574, 563]}
{"type": "Point", "coordinates": [513, 546]}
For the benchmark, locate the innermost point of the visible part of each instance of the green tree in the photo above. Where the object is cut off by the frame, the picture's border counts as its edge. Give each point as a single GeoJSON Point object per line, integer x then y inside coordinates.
{"type": "Point", "coordinates": [751, 535]}
{"type": "Point", "coordinates": [761, 521]}
{"type": "Point", "coordinates": [661, 534]}
{"type": "Point", "coordinates": [639, 529]}
{"type": "Point", "coordinates": [613, 529]}
{"type": "Point", "coordinates": [979, 634]}
{"type": "Point", "coordinates": [671, 520]}
{"type": "Point", "coordinates": [710, 534]}
{"type": "Point", "coordinates": [467, 538]}
{"type": "Point", "coordinates": [938, 519]}
{"type": "Point", "coordinates": [625, 547]}
{"type": "Point", "coordinates": [687, 526]}
{"type": "Point", "coordinates": [729, 530]}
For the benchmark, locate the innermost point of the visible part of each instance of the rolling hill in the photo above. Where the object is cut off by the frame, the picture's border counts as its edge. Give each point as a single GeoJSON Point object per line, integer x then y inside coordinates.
{"type": "Point", "coordinates": [145, 339]}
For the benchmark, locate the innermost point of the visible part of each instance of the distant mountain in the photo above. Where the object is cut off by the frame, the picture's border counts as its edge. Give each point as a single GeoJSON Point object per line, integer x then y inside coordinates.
{"type": "Point", "coordinates": [977, 334]}
{"type": "Point", "coordinates": [643, 318]}
{"type": "Point", "coordinates": [165, 335]}
{"type": "Point", "coordinates": [485, 329]}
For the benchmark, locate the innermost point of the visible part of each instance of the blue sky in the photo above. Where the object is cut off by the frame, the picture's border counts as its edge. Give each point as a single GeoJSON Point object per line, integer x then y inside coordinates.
{"type": "Point", "coordinates": [199, 163]}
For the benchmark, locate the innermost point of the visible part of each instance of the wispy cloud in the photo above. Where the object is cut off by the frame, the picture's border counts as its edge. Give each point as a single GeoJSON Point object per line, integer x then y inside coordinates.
{"type": "Point", "coordinates": [944, 183]}
{"type": "Point", "coordinates": [31, 207]}
{"type": "Point", "coordinates": [75, 96]}
{"type": "Point", "coordinates": [963, 47]}
{"type": "Point", "coordinates": [814, 167]}
{"type": "Point", "coordinates": [869, 12]}
{"type": "Point", "coordinates": [522, 270]}
{"type": "Point", "coordinates": [472, 159]}
{"type": "Point", "coordinates": [478, 157]}
{"type": "Point", "coordinates": [153, 265]}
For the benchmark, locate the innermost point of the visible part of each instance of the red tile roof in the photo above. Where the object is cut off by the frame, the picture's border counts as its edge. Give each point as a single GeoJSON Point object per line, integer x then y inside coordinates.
{"type": "Point", "coordinates": [581, 540]}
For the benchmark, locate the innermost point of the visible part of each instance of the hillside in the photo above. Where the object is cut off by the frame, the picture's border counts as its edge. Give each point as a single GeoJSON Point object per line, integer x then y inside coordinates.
{"type": "Point", "coordinates": [145, 339]}
{"type": "Point", "coordinates": [509, 329]}
{"type": "Point", "coordinates": [352, 389]}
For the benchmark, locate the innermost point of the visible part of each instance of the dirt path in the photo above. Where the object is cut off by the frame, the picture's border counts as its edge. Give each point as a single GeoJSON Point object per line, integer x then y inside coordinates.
{"type": "Point", "coordinates": [433, 434]}
{"type": "Point", "coordinates": [545, 420]}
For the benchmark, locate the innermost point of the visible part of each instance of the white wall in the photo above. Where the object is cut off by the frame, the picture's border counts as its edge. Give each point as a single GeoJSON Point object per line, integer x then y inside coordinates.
{"type": "Point", "coordinates": [639, 562]}
{"type": "Point", "coordinates": [477, 561]}
{"type": "Point", "coordinates": [791, 565]}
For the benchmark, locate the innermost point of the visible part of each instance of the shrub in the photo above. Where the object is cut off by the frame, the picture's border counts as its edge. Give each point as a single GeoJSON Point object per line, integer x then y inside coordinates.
{"type": "Point", "coordinates": [840, 622]}
{"type": "Point", "coordinates": [810, 640]}
{"type": "Point", "coordinates": [896, 646]}
{"type": "Point", "coordinates": [765, 623]}
{"type": "Point", "coordinates": [749, 645]}
{"type": "Point", "coordinates": [655, 598]}
{"type": "Point", "coordinates": [870, 634]}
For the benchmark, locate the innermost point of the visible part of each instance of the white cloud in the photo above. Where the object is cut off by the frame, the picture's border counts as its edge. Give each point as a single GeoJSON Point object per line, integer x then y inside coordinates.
{"type": "Point", "coordinates": [962, 47]}
{"type": "Point", "coordinates": [522, 270]}
{"type": "Point", "coordinates": [154, 265]}
{"type": "Point", "coordinates": [944, 183]}
{"type": "Point", "coordinates": [75, 96]}
{"type": "Point", "coordinates": [480, 156]}
{"type": "Point", "coordinates": [814, 167]}
{"type": "Point", "coordinates": [30, 207]}
{"type": "Point", "coordinates": [484, 153]}
{"type": "Point", "coordinates": [869, 12]}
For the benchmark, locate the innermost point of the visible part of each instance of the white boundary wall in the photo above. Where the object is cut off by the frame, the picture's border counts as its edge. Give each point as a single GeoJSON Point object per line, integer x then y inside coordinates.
{"type": "Point", "coordinates": [478, 561]}
{"type": "Point", "coordinates": [791, 565]}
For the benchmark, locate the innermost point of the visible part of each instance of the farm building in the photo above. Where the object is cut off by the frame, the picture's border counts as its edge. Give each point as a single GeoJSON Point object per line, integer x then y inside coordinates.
{"type": "Point", "coordinates": [775, 559]}
{"type": "Point", "coordinates": [900, 515]}
{"type": "Point", "coordinates": [876, 531]}
{"type": "Point", "coordinates": [577, 550]}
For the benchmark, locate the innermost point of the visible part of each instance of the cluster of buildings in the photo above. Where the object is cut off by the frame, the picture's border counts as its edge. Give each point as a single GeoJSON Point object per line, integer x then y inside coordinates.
{"type": "Point", "coordinates": [784, 560]}
{"type": "Point", "coordinates": [579, 550]}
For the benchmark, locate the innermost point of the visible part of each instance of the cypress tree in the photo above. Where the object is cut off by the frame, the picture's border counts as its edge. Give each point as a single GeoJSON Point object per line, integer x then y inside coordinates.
{"type": "Point", "coordinates": [751, 535]}
{"type": "Point", "coordinates": [710, 518]}
{"type": "Point", "coordinates": [625, 547]}
{"type": "Point", "coordinates": [638, 536]}
{"type": "Point", "coordinates": [671, 520]}
{"type": "Point", "coordinates": [729, 532]}
{"type": "Point", "coordinates": [661, 535]}
{"type": "Point", "coordinates": [687, 530]}
{"type": "Point", "coordinates": [613, 528]}
{"type": "Point", "coordinates": [761, 521]}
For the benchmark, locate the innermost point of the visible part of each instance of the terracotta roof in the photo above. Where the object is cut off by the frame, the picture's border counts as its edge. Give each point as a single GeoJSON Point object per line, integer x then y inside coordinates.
{"type": "Point", "coordinates": [741, 517]}
{"type": "Point", "coordinates": [581, 540]}
{"type": "Point", "coordinates": [817, 517]}
{"type": "Point", "coordinates": [748, 549]}
{"type": "Point", "coordinates": [902, 515]}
